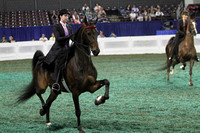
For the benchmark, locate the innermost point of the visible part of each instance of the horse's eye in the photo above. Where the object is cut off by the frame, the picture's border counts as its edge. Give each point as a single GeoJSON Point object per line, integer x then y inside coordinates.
{"type": "Point", "coordinates": [89, 34]}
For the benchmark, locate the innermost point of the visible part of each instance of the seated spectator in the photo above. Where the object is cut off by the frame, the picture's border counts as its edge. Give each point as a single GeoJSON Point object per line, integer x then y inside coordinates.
{"type": "Point", "coordinates": [88, 14]}
{"type": "Point", "coordinates": [136, 10]}
{"type": "Point", "coordinates": [75, 17]}
{"type": "Point", "coordinates": [112, 34]}
{"type": "Point", "coordinates": [43, 38]}
{"type": "Point", "coordinates": [101, 34]}
{"type": "Point", "coordinates": [101, 13]}
{"type": "Point", "coordinates": [97, 7]}
{"type": "Point", "coordinates": [159, 13]}
{"type": "Point", "coordinates": [146, 15]}
{"type": "Point", "coordinates": [11, 40]}
{"type": "Point", "coordinates": [152, 15]}
{"type": "Point", "coordinates": [168, 25]}
{"type": "Point", "coordinates": [133, 16]}
{"type": "Point", "coordinates": [52, 38]}
{"type": "Point", "coordinates": [53, 15]}
{"type": "Point", "coordinates": [157, 7]}
{"type": "Point", "coordinates": [140, 16]}
{"type": "Point", "coordinates": [152, 9]}
{"type": "Point", "coordinates": [3, 40]}
{"type": "Point", "coordinates": [85, 7]}
{"type": "Point", "coordinates": [128, 8]}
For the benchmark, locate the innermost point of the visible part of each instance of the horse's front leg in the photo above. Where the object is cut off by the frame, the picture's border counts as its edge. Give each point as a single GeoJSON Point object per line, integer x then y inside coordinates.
{"type": "Point", "coordinates": [98, 85]}
{"type": "Point", "coordinates": [168, 68]}
{"type": "Point", "coordinates": [78, 112]}
{"type": "Point", "coordinates": [191, 65]}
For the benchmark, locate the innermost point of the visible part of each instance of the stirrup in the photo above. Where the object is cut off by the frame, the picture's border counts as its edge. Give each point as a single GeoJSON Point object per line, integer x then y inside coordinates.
{"type": "Point", "coordinates": [56, 88]}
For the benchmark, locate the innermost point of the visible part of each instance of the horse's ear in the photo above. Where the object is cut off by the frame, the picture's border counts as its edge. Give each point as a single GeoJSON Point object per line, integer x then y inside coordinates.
{"type": "Point", "coordinates": [96, 21]}
{"type": "Point", "coordinates": [85, 20]}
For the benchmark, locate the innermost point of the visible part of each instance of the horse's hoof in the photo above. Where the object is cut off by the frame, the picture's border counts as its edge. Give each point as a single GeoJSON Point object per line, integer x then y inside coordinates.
{"type": "Point", "coordinates": [80, 129]}
{"type": "Point", "coordinates": [48, 124]}
{"type": "Point", "coordinates": [190, 83]}
{"type": "Point", "coordinates": [42, 112]}
{"type": "Point", "coordinates": [182, 67]}
{"type": "Point", "coordinates": [99, 100]}
{"type": "Point", "coordinates": [172, 72]}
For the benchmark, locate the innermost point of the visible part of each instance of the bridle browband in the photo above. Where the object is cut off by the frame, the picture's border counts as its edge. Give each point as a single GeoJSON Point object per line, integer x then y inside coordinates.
{"type": "Point", "coordinates": [90, 27]}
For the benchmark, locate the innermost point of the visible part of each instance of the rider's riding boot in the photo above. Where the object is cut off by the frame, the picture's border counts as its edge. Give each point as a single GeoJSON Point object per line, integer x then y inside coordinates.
{"type": "Point", "coordinates": [55, 76]}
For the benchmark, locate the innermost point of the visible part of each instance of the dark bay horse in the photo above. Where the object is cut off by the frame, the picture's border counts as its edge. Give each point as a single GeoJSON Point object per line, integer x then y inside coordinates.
{"type": "Point", "coordinates": [79, 73]}
{"type": "Point", "coordinates": [186, 51]}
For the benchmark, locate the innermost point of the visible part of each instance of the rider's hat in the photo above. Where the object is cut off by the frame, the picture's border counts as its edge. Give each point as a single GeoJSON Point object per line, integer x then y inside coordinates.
{"type": "Point", "coordinates": [63, 11]}
{"type": "Point", "coordinates": [185, 13]}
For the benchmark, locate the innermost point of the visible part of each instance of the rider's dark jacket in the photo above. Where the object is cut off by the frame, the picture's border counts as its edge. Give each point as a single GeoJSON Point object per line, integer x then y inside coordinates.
{"type": "Point", "coordinates": [180, 35]}
{"type": "Point", "coordinates": [61, 42]}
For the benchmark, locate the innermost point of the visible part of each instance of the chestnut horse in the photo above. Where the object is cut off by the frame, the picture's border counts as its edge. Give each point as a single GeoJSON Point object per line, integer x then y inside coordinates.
{"type": "Point", "coordinates": [79, 74]}
{"type": "Point", "coordinates": [186, 51]}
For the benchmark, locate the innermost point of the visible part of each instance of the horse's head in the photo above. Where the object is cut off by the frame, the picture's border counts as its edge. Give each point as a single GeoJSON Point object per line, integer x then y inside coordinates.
{"type": "Point", "coordinates": [192, 27]}
{"type": "Point", "coordinates": [87, 36]}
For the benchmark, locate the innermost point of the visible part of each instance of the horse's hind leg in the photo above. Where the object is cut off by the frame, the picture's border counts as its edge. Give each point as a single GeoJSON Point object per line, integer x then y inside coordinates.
{"type": "Point", "coordinates": [191, 65]}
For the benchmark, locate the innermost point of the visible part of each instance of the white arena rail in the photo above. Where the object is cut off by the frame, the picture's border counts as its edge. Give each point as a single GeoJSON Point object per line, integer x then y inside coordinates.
{"type": "Point", "coordinates": [108, 46]}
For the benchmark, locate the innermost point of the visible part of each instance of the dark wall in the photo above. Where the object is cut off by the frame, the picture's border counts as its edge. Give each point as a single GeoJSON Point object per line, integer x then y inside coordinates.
{"type": "Point", "coordinates": [48, 4]}
{"type": "Point", "coordinates": [1, 5]}
{"type": "Point", "coordinates": [15, 5]}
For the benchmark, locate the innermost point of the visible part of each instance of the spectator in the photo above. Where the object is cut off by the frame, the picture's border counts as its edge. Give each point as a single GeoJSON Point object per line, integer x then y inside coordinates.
{"type": "Point", "coordinates": [112, 34]}
{"type": "Point", "coordinates": [128, 8]}
{"type": "Point", "coordinates": [101, 34]}
{"type": "Point", "coordinates": [75, 17]}
{"type": "Point", "coordinates": [54, 16]}
{"type": "Point", "coordinates": [152, 15]}
{"type": "Point", "coordinates": [43, 38]}
{"type": "Point", "coordinates": [88, 14]}
{"type": "Point", "coordinates": [97, 7]}
{"type": "Point", "coordinates": [159, 13]}
{"type": "Point", "coordinates": [133, 16]}
{"type": "Point", "coordinates": [52, 38]}
{"type": "Point", "coordinates": [157, 7]}
{"type": "Point", "coordinates": [168, 25]}
{"type": "Point", "coordinates": [140, 16]}
{"type": "Point", "coordinates": [3, 40]}
{"type": "Point", "coordinates": [85, 7]}
{"type": "Point", "coordinates": [101, 13]}
{"type": "Point", "coordinates": [136, 10]}
{"type": "Point", "coordinates": [146, 15]}
{"type": "Point", "coordinates": [11, 40]}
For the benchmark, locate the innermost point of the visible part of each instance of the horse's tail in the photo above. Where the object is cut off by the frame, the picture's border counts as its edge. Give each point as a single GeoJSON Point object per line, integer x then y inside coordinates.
{"type": "Point", "coordinates": [27, 93]}
{"type": "Point", "coordinates": [38, 54]}
{"type": "Point", "coordinates": [30, 90]}
{"type": "Point", "coordinates": [162, 68]}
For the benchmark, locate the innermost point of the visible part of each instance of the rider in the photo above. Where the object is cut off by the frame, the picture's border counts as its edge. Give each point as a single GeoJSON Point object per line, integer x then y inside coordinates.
{"type": "Point", "coordinates": [180, 35]}
{"type": "Point", "coordinates": [63, 33]}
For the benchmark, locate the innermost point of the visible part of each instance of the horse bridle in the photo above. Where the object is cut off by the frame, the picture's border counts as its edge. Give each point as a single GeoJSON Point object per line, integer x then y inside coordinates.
{"type": "Point", "coordinates": [81, 43]}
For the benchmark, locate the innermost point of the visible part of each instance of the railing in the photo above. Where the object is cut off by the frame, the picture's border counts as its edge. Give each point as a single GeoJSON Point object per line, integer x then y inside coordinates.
{"type": "Point", "coordinates": [108, 46]}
